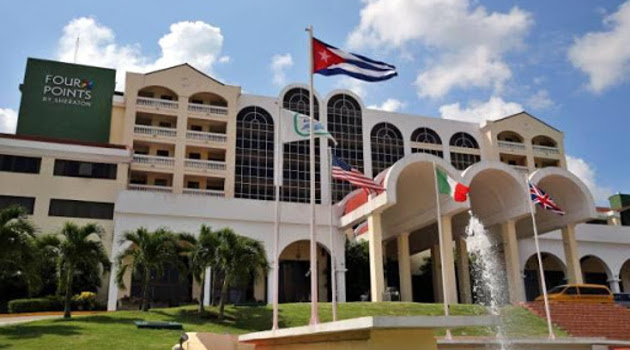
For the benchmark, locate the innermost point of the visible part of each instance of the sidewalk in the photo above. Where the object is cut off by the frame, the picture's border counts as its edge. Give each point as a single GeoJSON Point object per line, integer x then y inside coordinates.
{"type": "Point", "coordinates": [11, 319]}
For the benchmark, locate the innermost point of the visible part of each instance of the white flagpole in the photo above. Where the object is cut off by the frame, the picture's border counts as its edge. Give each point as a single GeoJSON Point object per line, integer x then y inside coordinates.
{"type": "Point", "coordinates": [333, 261]}
{"type": "Point", "coordinates": [441, 243]}
{"type": "Point", "coordinates": [276, 236]}
{"type": "Point", "coordinates": [314, 285]}
{"type": "Point", "coordinates": [552, 336]}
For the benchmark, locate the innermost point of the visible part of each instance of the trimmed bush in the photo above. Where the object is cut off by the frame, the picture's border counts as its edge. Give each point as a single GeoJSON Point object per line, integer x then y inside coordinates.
{"type": "Point", "coordinates": [35, 305]}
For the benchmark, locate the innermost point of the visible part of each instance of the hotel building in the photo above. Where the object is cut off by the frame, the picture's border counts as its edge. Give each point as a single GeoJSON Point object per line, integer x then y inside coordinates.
{"type": "Point", "coordinates": [179, 149]}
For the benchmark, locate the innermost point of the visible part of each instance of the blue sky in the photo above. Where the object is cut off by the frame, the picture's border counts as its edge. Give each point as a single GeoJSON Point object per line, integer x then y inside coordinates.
{"type": "Point", "coordinates": [566, 62]}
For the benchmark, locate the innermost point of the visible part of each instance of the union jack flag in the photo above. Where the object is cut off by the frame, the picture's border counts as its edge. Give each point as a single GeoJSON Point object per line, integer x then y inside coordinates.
{"type": "Point", "coordinates": [541, 198]}
{"type": "Point", "coordinates": [343, 171]}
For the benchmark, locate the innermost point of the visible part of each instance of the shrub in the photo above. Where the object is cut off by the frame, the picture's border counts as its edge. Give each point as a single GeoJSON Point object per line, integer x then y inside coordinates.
{"type": "Point", "coordinates": [35, 305]}
{"type": "Point", "coordinates": [84, 301]}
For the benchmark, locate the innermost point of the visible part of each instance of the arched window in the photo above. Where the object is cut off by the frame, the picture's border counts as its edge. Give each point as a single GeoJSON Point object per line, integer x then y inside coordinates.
{"type": "Point", "coordinates": [296, 168]}
{"type": "Point", "coordinates": [432, 144]}
{"type": "Point", "coordinates": [510, 136]}
{"type": "Point", "coordinates": [254, 154]}
{"type": "Point", "coordinates": [158, 92]}
{"type": "Point", "coordinates": [461, 160]}
{"type": "Point", "coordinates": [344, 123]}
{"type": "Point", "coordinates": [544, 141]}
{"type": "Point", "coordinates": [387, 146]}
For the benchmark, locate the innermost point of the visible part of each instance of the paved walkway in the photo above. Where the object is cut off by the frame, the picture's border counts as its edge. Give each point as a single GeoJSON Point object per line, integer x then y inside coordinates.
{"type": "Point", "coordinates": [6, 321]}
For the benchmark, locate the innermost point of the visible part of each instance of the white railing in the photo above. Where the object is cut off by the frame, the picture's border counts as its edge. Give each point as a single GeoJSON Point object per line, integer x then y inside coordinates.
{"type": "Point", "coordinates": [199, 192]}
{"type": "Point", "coordinates": [153, 160]}
{"type": "Point", "coordinates": [154, 131]}
{"type": "Point", "coordinates": [150, 188]}
{"type": "Point", "coordinates": [204, 164]}
{"type": "Point", "coordinates": [546, 150]}
{"type": "Point", "coordinates": [512, 145]}
{"type": "Point", "coordinates": [207, 109]}
{"type": "Point", "coordinates": [521, 169]}
{"type": "Point", "coordinates": [206, 136]}
{"type": "Point", "coordinates": [156, 103]}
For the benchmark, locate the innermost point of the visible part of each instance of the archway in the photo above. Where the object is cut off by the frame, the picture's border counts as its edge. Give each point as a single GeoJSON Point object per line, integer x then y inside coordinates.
{"type": "Point", "coordinates": [555, 274]}
{"type": "Point", "coordinates": [595, 270]}
{"type": "Point", "coordinates": [295, 281]}
{"type": "Point", "coordinates": [624, 276]}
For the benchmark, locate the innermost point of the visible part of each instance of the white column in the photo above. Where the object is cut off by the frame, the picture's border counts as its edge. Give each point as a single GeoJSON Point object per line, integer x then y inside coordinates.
{"type": "Point", "coordinates": [404, 267]}
{"type": "Point", "coordinates": [463, 271]}
{"type": "Point", "coordinates": [614, 284]}
{"type": "Point", "coordinates": [206, 286]}
{"type": "Point", "coordinates": [341, 281]}
{"type": "Point", "coordinates": [510, 248]}
{"type": "Point", "coordinates": [377, 276]}
{"type": "Point", "coordinates": [571, 255]}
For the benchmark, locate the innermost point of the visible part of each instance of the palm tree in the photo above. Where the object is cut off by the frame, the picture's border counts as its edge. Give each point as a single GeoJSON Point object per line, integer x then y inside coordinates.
{"type": "Point", "coordinates": [77, 247]}
{"type": "Point", "coordinates": [147, 252]}
{"type": "Point", "coordinates": [201, 255]}
{"type": "Point", "coordinates": [238, 257]}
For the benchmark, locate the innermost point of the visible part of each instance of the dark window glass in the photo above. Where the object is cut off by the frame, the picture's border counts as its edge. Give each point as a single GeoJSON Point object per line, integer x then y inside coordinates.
{"type": "Point", "coordinates": [165, 125]}
{"type": "Point", "coordinates": [27, 202]}
{"type": "Point", "coordinates": [296, 169]}
{"type": "Point", "coordinates": [571, 291]}
{"type": "Point", "coordinates": [199, 102]}
{"type": "Point", "coordinates": [462, 139]}
{"type": "Point", "coordinates": [192, 184]}
{"type": "Point", "coordinates": [426, 135]}
{"type": "Point", "coordinates": [387, 147]}
{"type": "Point", "coordinates": [160, 182]}
{"type": "Point", "coordinates": [196, 128]}
{"type": "Point", "coordinates": [19, 164]}
{"type": "Point", "coordinates": [254, 154]}
{"type": "Point", "coordinates": [593, 291]}
{"type": "Point", "coordinates": [345, 124]}
{"type": "Point", "coordinates": [556, 289]}
{"type": "Point", "coordinates": [162, 153]}
{"type": "Point", "coordinates": [85, 169]}
{"type": "Point", "coordinates": [428, 151]}
{"type": "Point", "coordinates": [461, 161]}
{"type": "Point", "coordinates": [167, 97]}
{"type": "Point", "coordinates": [193, 155]}
{"type": "Point", "coordinates": [81, 209]}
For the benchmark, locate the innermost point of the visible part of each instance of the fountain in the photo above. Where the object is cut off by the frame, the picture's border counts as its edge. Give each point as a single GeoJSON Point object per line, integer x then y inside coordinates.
{"type": "Point", "coordinates": [488, 273]}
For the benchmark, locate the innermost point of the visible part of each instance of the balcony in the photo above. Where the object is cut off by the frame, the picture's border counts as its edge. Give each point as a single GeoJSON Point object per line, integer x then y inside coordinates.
{"type": "Point", "coordinates": [546, 150]}
{"type": "Point", "coordinates": [207, 193]}
{"type": "Point", "coordinates": [206, 136]}
{"type": "Point", "coordinates": [521, 169]}
{"type": "Point", "coordinates": [153, 160]}
{"type": "Point", "coordinates": [204, 164]}
{"type": "Point", "coordinates": [156, 103]}
{"type": "Point", "coordinates": [512, 146]}
{"type": "Point", "coordinates": [150, 188]}
{"type": "Point", "coordinates": [208, 110]}
{"type": "Point", "coordinates": [154, 131]}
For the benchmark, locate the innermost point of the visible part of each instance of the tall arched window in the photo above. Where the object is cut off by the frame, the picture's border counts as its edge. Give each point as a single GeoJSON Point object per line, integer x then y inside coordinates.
{"type": "Point", "coordinates": [462, 159]}
{"type": "Point", "coordinates": [425, 140]}
{"type": "Point", "coordinates": [387, 146]}
{"type": "Point", "coordinates": [344, 123]}
{"type": "Point", "coordinates": [296, 168]}
{"type": "Point", "coordinates": [254, 154]}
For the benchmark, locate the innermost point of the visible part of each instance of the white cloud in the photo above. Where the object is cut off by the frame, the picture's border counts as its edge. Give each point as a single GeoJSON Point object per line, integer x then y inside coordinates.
{"type": "Point", "coordinates": [605, 56]}
{"type": "Point", "coordinates": [197, 43]}
{"type": "Point", "coordinates": [470, 41]}
{"type": "Point", "coordinates": [8, 120]}
{"type": "Point", "coordinates": [586, 173]}
{"type": "Point", "coordinates": [279, 65]}
{"type": "Point", "coordinates": [478, 111]}
{"type": "Point", "coordinates": [357, 86]}
{"type": "Point", "coordinates": [540, 100]}
{"type": "Point", "coordinates": [390, 105]}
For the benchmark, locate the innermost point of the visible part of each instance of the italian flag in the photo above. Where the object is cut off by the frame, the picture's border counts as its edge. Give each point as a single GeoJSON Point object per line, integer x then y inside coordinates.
{"type": "Point", "coordinates": [447, 185]}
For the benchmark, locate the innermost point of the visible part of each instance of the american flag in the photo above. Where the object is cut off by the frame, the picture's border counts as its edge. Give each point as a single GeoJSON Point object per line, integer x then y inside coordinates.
{"type": "Point", "coordinates": [541, 198]}
{"type": "Point", "coordinates": [343, 171]}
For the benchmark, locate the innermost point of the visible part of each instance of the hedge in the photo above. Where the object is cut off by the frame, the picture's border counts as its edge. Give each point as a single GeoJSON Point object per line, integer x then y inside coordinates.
{"type": "Point", "coordinates": [35, 305]}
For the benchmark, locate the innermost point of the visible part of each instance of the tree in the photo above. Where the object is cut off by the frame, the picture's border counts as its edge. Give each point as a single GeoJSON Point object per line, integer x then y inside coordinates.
{"type": "Point", "coordinates": [201, 255]}
{"type": "Point", "coordinates": [147, 252]}
{"type": "Point", "coordinates": [238, 257]}
{"type": "Point", "coordinates": [79, 248]}
{"type": "Point", "coordinates": [358, 265]}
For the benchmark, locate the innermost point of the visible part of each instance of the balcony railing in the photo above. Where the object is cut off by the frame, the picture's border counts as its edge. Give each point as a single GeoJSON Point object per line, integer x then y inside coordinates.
{"type": "Point", "coordinates": [150, 188]}
{"type": "Point", "coordinates": [153, 160]}
{"type": "Point", "coordinates": [546, 150]}
{"type": "Point", "coordinates": [515, 146]}
{"type": "Point", "coordinates": [521, 169]}
{"type": "Point", "coordinates": [154, 131]}
{"type": "Point", "coordinates": [204, 164]}
{"type": "Point", "coordinates": [206, 136]}
{"type": "Point", "coordinates": [200, 192]}
{"type": "Point", "coordinates": [207, 109]}
{"type": "Point", "coordinates": [156, 103]}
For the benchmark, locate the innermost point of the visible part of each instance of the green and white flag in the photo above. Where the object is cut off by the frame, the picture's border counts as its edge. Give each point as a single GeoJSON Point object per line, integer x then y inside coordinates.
{"type": "Point", "coordinates": [296, 127]}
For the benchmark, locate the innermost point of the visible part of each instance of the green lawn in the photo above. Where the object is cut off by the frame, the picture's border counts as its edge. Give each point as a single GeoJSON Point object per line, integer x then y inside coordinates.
{"type": "Point", "coordinates": [116, 330]}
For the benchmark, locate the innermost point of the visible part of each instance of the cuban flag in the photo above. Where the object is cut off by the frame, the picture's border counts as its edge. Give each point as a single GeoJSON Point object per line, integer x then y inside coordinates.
{"type": "Point", "coordinates": [329, 60]}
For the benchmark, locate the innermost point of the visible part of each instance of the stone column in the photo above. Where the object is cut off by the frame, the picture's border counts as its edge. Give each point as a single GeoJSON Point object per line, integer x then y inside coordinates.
{"type": "Point", "coordinates": [404, 267]}
{"type": "Point", "coordinates": [377, 276]}
{"type": "Point", "coordinates": [571, 255]}
{"type": "Point", "coordinates": [206, 286]}
{"type": "Point", "coordinates": [463, 271]}
{"type": "Point", "coordinates": [449, 282]}
{"type": "Point", "coordinates": [436, 272]}
{"type": "Point", "coordinates": [614, 284]}
{"type": "Point", "coordinates": [512, 267]}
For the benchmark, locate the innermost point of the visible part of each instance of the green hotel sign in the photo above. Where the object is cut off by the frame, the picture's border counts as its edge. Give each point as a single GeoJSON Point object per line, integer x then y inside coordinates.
{"type": "Point", "coordinates": [66, 101]}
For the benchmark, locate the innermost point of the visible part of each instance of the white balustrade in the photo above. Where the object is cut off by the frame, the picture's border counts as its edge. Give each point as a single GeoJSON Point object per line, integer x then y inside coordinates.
{"type": "Point", "coordinates": [515, 146]}
{"type": "Point", "coordinates": [546, 150]}
{"type": "Point", "coordinates": [200, 192]}
{"type": "Point", "coordinates": [153, 160]}
{"type": "Point", "coordinates": [154, 131]}
{"type": "Point", "coordinates": [150, 188]}
{"type": "Point", "coordinates": [521, 169]}
{"type": "Point", "coordinates": [204, 164]}
{"type": "Point", "coordinates": [207, 109]}
{"type": "Point", "coordinates": [156, 103]}
{"type": "Point", "coordinates": [206, 136]}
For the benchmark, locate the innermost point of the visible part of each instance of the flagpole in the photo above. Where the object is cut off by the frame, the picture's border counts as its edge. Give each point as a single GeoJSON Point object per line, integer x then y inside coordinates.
{"type": "Point", "coordinates": [333, 262]}
{"type": "Point", "coordinates": [441, 243]}
{"type": "Point", "coordinates": [276, 236]}
{"type": "Point", "coordinates": [552, 336]}
{"type": "Point", "coordinates": [314, 285]}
